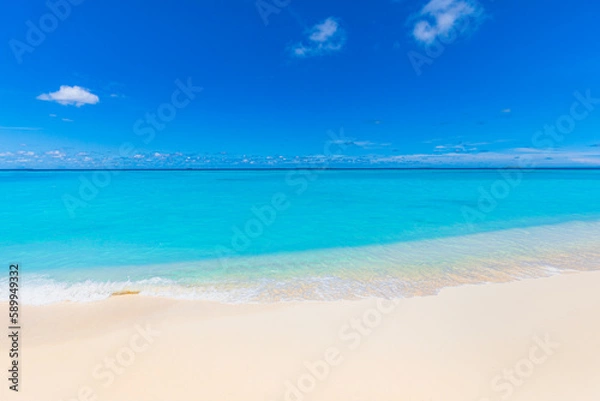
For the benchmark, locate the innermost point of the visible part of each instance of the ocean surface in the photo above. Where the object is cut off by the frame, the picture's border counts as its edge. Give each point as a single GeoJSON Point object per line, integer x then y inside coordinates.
{"type": "Point", "coordinates": [263, 236]}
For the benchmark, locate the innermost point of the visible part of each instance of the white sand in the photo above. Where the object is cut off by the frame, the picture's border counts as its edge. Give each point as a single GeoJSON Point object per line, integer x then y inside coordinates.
{"type": "Point", "coordinates": [453, 346]}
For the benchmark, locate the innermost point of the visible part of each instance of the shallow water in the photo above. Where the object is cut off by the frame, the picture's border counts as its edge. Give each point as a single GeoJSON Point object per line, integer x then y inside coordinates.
{"type": "Point", "coordinates": [240, 236]}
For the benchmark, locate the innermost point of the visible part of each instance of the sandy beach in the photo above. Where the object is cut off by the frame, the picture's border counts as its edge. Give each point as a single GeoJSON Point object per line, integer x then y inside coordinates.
{"type": "Point", "coordinates": [276, 200]}
{"type": "Point", "coordinates": [530, 340]}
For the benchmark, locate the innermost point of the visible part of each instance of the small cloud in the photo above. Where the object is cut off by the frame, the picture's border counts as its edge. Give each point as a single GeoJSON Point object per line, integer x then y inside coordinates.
{"type": "Point", "coordinates": [323, 38]}
{"type": "Point", "coordinates": [52, 115]}
{"type": "Point", "coordinates": [364, 144]}
{"type": "Point", "coordinates": [67, 120]}
{"type": "Point", "coordinates": [70, 95]}
{"type": "Point", "coordinates": [440, 17]}
{"type": "Point", "coordinates": [506, 110]}
{"type": "Point", "coordinates": [56, 154]}
{"type": "Point", "coordinates": [19, 129]}
{"type": "Point", "coordinates": [531, 150]}
{"type": "Point", "coordinates": [360, 144]}
{"type": "Point", "coordinates": [464, 147]}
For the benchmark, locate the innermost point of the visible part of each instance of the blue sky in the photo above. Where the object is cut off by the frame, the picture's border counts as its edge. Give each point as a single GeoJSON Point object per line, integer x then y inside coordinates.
{"type": "Point", "coordinates": [281, 83]}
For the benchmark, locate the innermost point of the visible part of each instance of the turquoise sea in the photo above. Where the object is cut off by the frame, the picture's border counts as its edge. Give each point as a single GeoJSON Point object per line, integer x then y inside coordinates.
{"type": "Point", "coordinates": [273, 235]}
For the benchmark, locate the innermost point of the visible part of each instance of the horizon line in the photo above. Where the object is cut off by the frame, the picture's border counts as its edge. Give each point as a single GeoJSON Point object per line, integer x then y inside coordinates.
{"type": "Point", "coordinates": [295, 168]}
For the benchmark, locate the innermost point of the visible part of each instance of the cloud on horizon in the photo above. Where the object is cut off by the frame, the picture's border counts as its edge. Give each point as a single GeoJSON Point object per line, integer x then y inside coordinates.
{"type": "Point", "coordinates": [323, 38]}
{"type": "Point", "coordinates": [513, 157]}
{"type": "Point", "coordinates": [70, 95]}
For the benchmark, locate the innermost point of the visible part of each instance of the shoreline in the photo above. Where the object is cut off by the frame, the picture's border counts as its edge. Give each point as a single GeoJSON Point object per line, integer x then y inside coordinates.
{"type": "Point", "coordinates": [456, 345]}
{"type": "Point", "coordinates": [399, 270]}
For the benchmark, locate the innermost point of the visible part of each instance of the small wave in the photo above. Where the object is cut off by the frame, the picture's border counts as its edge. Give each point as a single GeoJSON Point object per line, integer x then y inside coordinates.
{"type": "Point", "coordinates": [391, 271]}
{"type": "Point", "coordinates": [40, 290]}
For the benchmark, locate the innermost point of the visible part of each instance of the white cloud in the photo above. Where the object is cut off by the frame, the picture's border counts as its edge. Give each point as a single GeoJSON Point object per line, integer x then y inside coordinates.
{"type": "Point", "coordinates": [19, 129]}
{"type": "Point", "coordinates": [56, 154]}
{"type": "Point", "coordinates": [511, 157]}
{"type": "Point", "coordinates": [67, 120]}
{"type": "Point", "coordinates": [440, 17]}
{"type": "Point", "coordinates": [359, 143]}
{"type": "Point", "coordinates": [530, 157]}
{"type": "Point", "coordinates": [506, 110]}
{"type": "Point", "coordinates": [323, 38]}
{"type": "Point", "coordinates": [70, 95]}
{"type": "Point", "coordinates": [324, 31]}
